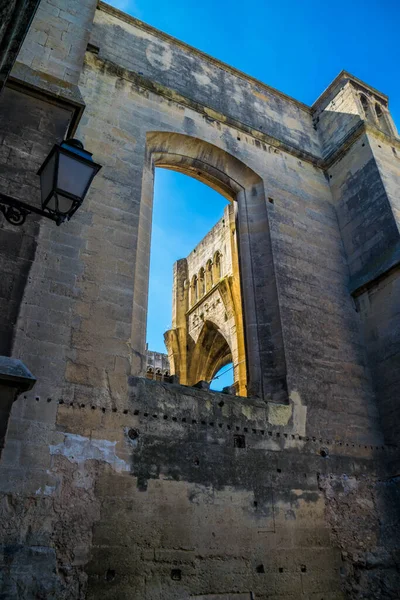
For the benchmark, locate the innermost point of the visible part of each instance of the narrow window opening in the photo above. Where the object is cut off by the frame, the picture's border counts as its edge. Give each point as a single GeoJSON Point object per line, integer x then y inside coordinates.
{"type": "Point", "coordinates": [366, 108]}
{"type": "Point", "coordinates": [382, 119]}
{"type": "Point", "coordinates": [202, 283]}
{"type": "Point", "coordinates": [194, 262]}
{"type": "Point", "coordinates": [209, 276]}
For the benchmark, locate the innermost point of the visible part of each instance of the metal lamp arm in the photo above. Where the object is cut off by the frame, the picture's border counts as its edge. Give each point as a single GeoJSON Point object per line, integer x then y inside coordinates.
{"type": "Point", "coordinates": [15, 211]}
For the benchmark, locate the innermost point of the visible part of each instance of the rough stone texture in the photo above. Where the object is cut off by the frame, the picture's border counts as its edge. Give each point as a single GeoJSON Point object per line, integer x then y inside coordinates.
{"type": "Point", "coordinates": [118, 487]}
{"type": "Point", "coordinates": [15, 19]}
{"type": "Point", "coordinates": [28, 129]}
{"type": "Point", "coordinates": [57, 40]}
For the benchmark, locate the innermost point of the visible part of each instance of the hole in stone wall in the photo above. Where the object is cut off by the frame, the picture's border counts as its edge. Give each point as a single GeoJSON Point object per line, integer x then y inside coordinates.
{"type": "Point", "coordinates": [176, 574]}
{"type": "Point", "coordinates": [239, 441]}
{"type": "Point", "coordinates": [271, 200]}
{"type": "Point", "coordinates": [280, 569]}
{"type": "Point", "coordinates": [133, 434]}
{"type": "Point", "coordinates": [110, 575]}
{"type": "Point", "coordinates": [260, 569]}
{"type": "Point", "coordinates": [303, 568]}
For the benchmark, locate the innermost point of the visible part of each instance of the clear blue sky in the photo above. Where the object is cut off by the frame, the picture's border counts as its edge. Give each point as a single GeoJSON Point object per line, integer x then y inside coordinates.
{"type": "Point", "coordinates": [296, 46]}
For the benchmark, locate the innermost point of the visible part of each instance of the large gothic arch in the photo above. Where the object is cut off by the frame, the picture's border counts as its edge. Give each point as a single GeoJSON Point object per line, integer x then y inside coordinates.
{"type": "Point", "coordinates": [266, 365]}
{"type": "Point", "coordinates": [211, 352]}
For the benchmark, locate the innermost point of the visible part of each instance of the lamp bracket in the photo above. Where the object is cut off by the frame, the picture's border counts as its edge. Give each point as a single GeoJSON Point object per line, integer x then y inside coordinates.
{"type": "Point", "coordinates": [15, 211]}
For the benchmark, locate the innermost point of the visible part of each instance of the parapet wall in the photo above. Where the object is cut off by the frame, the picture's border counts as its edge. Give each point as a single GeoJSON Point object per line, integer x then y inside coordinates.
{"type": "Point", "coordinates": [186, 494]}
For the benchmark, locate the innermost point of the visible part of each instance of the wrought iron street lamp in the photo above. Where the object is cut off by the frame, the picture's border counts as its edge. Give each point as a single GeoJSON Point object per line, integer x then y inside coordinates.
{"type": "Point", "coordinates": [65, 178]}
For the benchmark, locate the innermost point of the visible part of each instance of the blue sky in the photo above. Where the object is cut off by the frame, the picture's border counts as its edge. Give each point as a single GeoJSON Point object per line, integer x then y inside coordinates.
{"type": "Point", "coordinates": [296, 46]}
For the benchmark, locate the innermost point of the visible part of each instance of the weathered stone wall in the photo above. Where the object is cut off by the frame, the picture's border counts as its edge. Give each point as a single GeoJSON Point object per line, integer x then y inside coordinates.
{"type": "Point", "coordinates": [57, 39]}
{"type": "Point", "coordinates": [28, 129]}
{"type": "Point", "coordinates": [184, 494]}
{"type": "Point", "coordinates": [380, 311]}
{"type": "Point", "coordinates": [117, 488]}
{"type": "Point", "coordinates": [15, 19]}
{"type": "Point", "coordinates": [336, 114]}
{"type": "Point", "coordinates": [160, 58]}
{"type": "Point", "coordinates": [368, 218]}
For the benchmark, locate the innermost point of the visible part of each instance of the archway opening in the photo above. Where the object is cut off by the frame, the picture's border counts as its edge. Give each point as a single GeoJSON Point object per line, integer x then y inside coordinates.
{"type": "Point", "coordinates": [194, 278]}
{"type": "Point", "coordinates": [262, 361]}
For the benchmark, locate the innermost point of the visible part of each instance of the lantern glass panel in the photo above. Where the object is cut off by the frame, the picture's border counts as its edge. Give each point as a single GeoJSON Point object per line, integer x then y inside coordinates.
{"type": "Point", "coordinates": [47, 179]}
{"type": "Point", "coordinates": [74, 176]}
{"type": "Point", "coordinates": [64, 204]}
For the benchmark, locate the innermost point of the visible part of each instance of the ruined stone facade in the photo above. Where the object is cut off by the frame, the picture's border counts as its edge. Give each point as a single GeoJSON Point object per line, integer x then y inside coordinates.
{"type": "Point", "coordinates": [113, 486]}
{"type": "Point", "coordinates": [157, 366]}
{"type": "Point", "coordinates": [207, 320]}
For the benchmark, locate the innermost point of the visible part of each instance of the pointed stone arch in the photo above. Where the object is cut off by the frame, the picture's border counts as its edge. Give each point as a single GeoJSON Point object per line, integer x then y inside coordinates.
{"type": "Point", "coordinates": [211, 352]}
{"type": "Point", "coordinates": [264, 349]}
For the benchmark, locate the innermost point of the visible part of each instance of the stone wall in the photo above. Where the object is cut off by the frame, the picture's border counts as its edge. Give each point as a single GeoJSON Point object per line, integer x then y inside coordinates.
{"type": "Point", "coordinates": [187, 494]}
{"type": "Point", "coordinates": [117, 487]}
{"type": "Point", "coordinates": [56, 41]}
